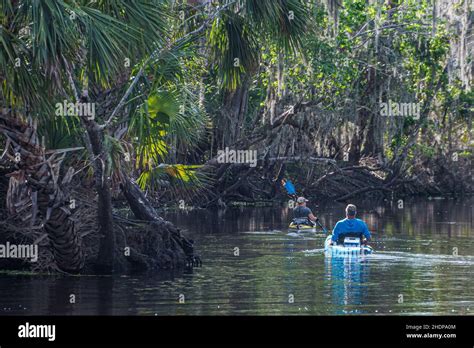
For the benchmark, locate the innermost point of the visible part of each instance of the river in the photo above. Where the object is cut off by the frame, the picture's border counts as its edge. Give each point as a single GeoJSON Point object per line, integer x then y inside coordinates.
{"type": "Point", "coordinates": [423, 265]}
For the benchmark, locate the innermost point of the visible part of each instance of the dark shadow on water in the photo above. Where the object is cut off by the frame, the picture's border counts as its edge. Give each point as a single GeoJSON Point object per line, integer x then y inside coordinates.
{"type": "Point", "coordinates": [77, 295]}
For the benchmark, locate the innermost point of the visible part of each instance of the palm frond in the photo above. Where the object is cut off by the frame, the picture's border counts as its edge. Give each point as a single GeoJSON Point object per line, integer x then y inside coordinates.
{"type": "Point", "coordinates": [235, 48]}
{"type": "Point", "coordinates": [178, 180]}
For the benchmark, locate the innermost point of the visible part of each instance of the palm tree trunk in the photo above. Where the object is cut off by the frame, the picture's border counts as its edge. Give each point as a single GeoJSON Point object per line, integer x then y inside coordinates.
{"type": "Point", "coordinates": [95, 138]}
{"type": "Point", "coordinates": [36, 183]}
{"type": "Point", "coordinates": [232, 116]}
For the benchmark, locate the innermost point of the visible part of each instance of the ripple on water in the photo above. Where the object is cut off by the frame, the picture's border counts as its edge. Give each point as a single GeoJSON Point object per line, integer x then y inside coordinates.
{"type": "Point", "coordinates": [423, 259]}
{"type": "Point", "coordinates": [262, 232]}
{"type": "Point", "coordinates": [314, 251]}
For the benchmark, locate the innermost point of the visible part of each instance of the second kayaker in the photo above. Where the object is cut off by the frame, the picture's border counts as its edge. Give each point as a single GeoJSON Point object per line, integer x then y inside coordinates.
{"type": "Point", "coordinates": [301, 211]}
{"type": "Point", "coordinates": [350, 227]}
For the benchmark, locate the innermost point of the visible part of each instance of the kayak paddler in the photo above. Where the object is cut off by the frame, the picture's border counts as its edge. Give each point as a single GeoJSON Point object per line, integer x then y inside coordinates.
{"type": "Point", "coordinates": [301, 211]}
{"type": "Point", "coordinates": [350, 227]}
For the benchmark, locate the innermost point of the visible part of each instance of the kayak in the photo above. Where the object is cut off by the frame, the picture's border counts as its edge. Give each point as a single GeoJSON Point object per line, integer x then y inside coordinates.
{"type": "Point", "coordinates": [301, 225]}
{"type": "Point", "coordinates": [351, 247]}
{"type": "Point", "coordinates": [301, 228]}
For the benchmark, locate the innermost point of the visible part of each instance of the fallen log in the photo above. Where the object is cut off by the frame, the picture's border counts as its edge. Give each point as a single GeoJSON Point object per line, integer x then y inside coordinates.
{"type": "Point", "coordinates": [181, 248]}
{"type": "Point", "coordinates": [362, 190]}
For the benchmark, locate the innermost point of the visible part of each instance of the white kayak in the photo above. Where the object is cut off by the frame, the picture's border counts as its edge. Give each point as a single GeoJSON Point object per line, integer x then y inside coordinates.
{"type": "Point", "coordinates": [351, 247]}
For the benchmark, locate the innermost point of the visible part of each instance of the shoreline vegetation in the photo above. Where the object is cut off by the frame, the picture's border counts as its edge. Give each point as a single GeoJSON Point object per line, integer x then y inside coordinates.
{"type": "Point", "coordinates": [112, 110]}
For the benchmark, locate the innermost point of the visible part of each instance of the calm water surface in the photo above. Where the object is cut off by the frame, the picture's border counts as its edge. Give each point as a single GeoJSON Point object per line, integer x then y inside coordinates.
{"type": "Point", "coordinates": [423, 264]}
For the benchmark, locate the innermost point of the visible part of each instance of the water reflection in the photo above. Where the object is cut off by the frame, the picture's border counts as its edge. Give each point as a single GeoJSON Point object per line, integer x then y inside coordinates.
{"type": "Point", "coordinates": [347, 279]}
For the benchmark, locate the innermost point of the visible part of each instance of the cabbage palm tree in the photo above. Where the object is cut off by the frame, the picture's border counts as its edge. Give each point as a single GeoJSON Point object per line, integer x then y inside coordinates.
{"type": "Point", "coordinates": [83, 52]}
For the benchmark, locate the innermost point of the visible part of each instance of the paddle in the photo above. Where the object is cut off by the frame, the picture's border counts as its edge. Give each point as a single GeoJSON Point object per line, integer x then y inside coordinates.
{"type": "Point", "coordinates": [320, 225]}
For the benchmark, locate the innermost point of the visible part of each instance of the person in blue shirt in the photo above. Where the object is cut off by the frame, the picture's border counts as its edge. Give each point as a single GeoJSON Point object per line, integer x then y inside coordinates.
{"type": "Point", "coordinates": [290, 188]}
{"type": "Point", "coordinates": [350, 227]}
